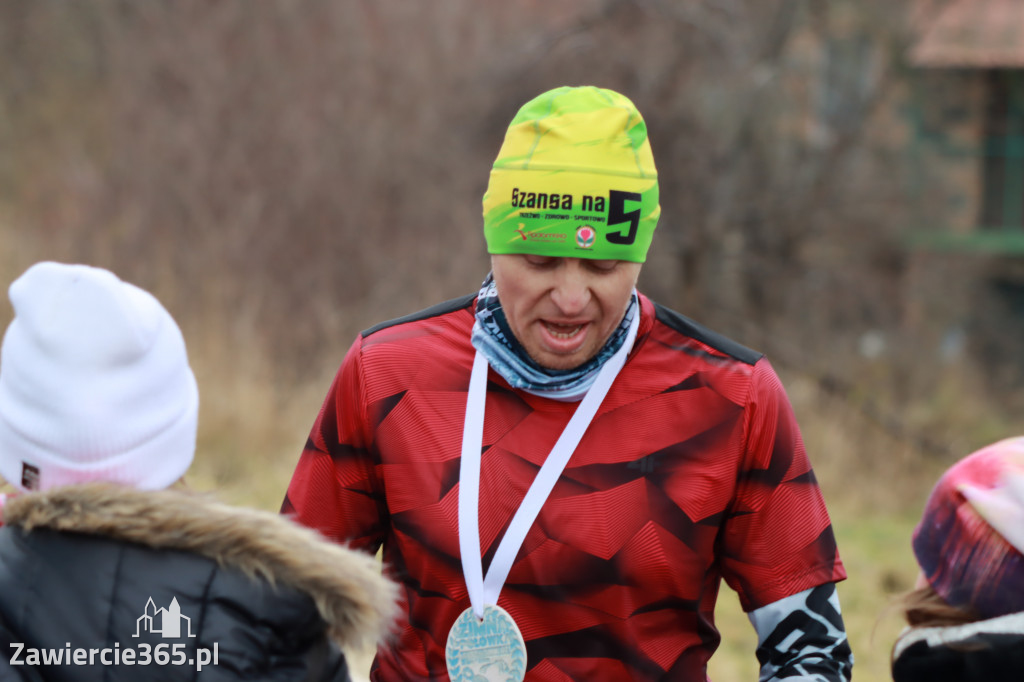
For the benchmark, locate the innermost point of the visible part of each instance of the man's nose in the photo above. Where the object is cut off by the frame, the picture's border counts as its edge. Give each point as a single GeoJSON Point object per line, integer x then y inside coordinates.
{"type": "Point", "coordinates": [571, 292]}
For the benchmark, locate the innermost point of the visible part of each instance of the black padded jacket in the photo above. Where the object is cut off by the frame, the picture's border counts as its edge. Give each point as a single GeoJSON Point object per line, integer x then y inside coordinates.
{"type": "Point", "coordinates": [985, 651]}
{"type": "Point", "coordinates": [104, 583]}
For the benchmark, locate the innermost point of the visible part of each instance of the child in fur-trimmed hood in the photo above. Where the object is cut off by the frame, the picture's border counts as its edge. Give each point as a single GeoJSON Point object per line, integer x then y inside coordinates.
{"type": "Point", "coordinates": [105, 572]}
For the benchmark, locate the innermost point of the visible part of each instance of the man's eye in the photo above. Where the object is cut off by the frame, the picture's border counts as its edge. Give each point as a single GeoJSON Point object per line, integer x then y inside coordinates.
{"type": "Point", "coordinates": [539, 261]}
{"type": "Point", "coordinates": [603, 265]}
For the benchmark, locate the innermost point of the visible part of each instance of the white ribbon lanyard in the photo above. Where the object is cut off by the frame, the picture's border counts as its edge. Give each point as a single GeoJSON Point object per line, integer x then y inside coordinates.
{"type": "Point", "coordinates": [484, 591]}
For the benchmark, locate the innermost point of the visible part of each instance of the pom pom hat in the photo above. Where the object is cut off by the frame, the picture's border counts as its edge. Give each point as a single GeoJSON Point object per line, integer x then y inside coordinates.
{"type": "Point", "coordinates": [94, 383]}
{"type": "Point", "coordinates": [575, 177]}
{"type": "Point", "coordinates": [970, 541]}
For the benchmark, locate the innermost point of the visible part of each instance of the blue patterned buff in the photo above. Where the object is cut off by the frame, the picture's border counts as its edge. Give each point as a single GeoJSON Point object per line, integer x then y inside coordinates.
{"type": "Point", "coordinates": [493, 337]}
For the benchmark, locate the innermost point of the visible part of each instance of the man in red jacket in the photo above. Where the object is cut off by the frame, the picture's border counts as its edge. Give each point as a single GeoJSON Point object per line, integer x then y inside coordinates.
{"type": "Point", "coordinates": [561, 471]}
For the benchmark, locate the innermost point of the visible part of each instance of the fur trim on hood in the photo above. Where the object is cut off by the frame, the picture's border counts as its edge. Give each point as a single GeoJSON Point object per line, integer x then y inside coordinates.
{"type": "Point", "coordinates": [358, 603]}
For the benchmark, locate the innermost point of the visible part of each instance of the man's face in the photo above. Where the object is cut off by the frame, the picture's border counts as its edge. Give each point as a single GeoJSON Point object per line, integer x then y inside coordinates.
{"type": "Point", "coordinates": [562, 310]}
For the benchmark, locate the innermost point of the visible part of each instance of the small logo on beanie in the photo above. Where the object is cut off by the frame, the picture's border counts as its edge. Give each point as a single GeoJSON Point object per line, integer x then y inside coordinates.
{"type": "Point", "coordinates": [29, 476]}
{"type": "Point", "coordinates": [585, 235]}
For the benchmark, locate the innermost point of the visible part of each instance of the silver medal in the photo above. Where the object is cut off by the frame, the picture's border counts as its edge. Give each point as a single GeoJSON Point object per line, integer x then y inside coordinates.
{"type": "Point", "coordinates": [491, 649]}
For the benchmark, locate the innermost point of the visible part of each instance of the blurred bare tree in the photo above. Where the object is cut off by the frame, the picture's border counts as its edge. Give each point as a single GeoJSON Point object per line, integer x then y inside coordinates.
{"type": "Point", "coordinates": [285, 174]}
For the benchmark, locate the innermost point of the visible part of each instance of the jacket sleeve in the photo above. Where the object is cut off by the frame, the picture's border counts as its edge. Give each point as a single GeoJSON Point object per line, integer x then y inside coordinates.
{"type": "Point", "coordinates": [777, 537]}
{"type": "Point", "coordinates": [802, 637]}
{"type": "Point", "coordinates": [335, 488]}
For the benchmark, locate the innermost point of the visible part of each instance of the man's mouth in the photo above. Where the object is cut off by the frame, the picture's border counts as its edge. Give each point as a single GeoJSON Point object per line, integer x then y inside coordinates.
{"type": "Point", "coordinates": [563, 331]}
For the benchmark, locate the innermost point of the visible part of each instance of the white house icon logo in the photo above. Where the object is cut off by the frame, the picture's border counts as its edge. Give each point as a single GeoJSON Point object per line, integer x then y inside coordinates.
{"type": "Point", "coordinates": [166, 622]}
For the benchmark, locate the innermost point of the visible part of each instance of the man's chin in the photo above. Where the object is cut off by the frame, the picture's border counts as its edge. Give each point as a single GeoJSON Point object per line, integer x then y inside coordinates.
{"type": "Point", "coordinates": [560, 362]}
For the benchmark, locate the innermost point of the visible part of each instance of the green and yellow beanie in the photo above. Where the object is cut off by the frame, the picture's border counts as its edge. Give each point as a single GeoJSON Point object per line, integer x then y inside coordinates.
{"type": "Point", "coordinates": [575, 177]}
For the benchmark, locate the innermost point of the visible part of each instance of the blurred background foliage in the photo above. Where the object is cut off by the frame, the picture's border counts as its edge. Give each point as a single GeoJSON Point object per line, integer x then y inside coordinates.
{"type": "Point", "coordinates": [282, 175]}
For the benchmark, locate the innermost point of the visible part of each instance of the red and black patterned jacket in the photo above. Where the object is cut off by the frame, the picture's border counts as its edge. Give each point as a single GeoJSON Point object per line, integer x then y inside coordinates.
{"type": "Point", "coordinates": [692, 471]}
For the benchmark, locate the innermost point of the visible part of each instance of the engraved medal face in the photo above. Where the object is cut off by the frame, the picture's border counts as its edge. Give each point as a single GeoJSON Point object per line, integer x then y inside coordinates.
{"type": "Point", "coordinates": [488, 650]}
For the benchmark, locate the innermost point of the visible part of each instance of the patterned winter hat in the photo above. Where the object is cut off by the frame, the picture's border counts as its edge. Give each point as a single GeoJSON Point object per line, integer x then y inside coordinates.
{"type": "Point", "coordinates": [970, 541]}
{"type": "Point", "coordinates": [94, 383]}
{"type": "Point", "coordinates": [575, 177]}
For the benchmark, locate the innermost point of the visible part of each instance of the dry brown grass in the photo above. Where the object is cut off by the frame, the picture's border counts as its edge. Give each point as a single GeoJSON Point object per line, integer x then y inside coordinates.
{"type": "Point", "coordinates": [253, 425]}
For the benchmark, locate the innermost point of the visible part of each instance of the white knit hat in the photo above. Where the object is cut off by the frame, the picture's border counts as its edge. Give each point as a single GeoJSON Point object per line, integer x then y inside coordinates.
{"type": "Point", "coordinates": [94, 383]}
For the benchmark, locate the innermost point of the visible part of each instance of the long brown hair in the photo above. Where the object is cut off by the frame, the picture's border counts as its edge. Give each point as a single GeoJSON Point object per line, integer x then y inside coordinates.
{"type": "Point", "coordinates": [924, 608]}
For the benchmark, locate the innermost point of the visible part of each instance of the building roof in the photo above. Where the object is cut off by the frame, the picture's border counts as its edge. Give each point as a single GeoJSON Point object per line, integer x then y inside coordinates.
{"type": "Point", "coordinates": [970, 33]}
